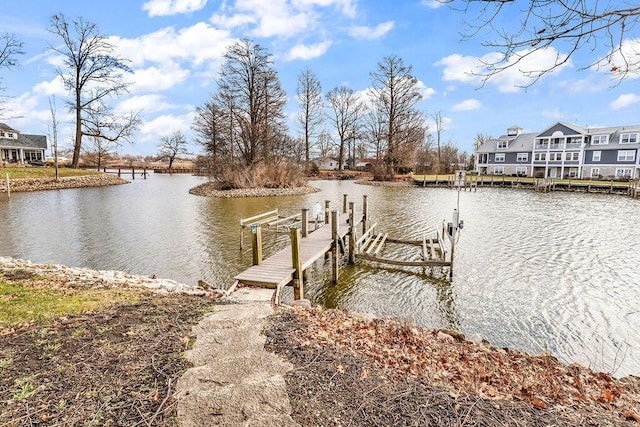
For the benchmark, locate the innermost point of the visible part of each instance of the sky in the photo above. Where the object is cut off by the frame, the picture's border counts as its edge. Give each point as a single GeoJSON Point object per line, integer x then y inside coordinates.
{"type": "Point", "coordinates": [176, 49]}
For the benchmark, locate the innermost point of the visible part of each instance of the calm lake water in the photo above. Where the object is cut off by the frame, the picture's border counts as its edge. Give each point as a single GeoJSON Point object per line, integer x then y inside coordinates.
{"type": "Point", "coordinates": [553, 272]}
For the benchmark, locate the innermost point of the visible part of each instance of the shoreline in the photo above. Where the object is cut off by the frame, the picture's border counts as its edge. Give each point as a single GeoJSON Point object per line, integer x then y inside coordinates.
{"type": "Point", "coordinates": [207, 190]}
{"type": "Point", "coordinates": [363, 352]}
{"type": "Point", "coordinates": [21, 185]}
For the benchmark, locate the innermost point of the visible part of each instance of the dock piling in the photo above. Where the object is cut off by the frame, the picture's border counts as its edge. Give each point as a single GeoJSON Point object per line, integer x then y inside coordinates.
{"type": "Point", "coordinates": [305, 224]}
{"type": "Point", "coordinates": [344, 203]}
{"type": "Point", "coordinates": [334, 249]}
{"type": "Point", "coordinates": [352, 233]}
{"type": "Point", "coordinates": [256, 243]}
{"type": "Point", "coordinates": [298, 277]}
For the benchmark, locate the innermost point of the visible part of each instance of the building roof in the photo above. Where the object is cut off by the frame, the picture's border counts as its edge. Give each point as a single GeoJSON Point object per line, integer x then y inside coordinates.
{"type": "Point", "coordinates": [520, 143]}
{"type": "Point", "coordinates": [23, 140]}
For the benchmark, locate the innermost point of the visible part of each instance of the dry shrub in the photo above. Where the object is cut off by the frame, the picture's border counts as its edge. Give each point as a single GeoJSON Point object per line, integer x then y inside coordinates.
{"type": "Point", "coordinates": [262, 175]}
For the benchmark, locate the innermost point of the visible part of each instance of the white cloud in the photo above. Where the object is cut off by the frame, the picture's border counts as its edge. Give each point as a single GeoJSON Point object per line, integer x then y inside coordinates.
{"type": "Point", "coordinates": [157, 78]}
{"type": "Point", "coordinates": [471, 69]}
{"type": "Point", "coordinates": [371, 33]}
{"type": "Point", "coordinates": [555, 114]}
{"type": "Point", "coordinates": [426, 92]}
{"type": "Point", "coordinates": [625, 100]}
{"type": "Point", "coordinates": [432, 4]}
{"type": "Point", "coordinates": [53, 87]}
{"type": "Point", "coordinates": [152, 103]}
{"type": "Point", "coordinates": [629, 53]}
{"type": "Point", "coordinates": [272, 18]}
{"type": "Point", "coordinates": [304, 52]}
{"type": "Point", "coordinates": [347, 7]}
{"type": "Point", "coordinates": [151, 131]}
{"type": "Point", "coordinates": [172, 7]}
{"type": "Point", "coordinates": [467, 105]}
{"type": "Point", "coordinates": [199, 43]}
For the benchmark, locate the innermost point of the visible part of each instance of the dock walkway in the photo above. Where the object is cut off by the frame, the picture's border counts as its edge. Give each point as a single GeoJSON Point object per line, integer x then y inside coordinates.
{"type": "Point", "coordinates": [277, 270]}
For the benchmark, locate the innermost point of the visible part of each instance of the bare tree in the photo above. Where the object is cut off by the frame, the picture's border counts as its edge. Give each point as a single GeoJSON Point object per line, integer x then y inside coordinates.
{"type": "Point", "coordinates": [395, 94]}
{"type": "Point", "coordinates": [247, 77]}
{"type": "Point", "coordinates": [54, 133]}
{"type": "Point", "coordinates": [10, 48]}
{"type": "Point", "coordinates": [374, 131]}
{"type": "Point", "coordinates": [92, 73]}
{"type": "Point", "coordinates": [439, 124]}
{"type": "Point", "coordinates": [606, 29]}
{"type": "Point", "coordinates": [212, 133]}
{"type": "Point", "coordinates": [324, 144]}
{"type": "Point", "coordinates": [480, 139]}
{"type": "Point", "coordinates": [345, 107]}
{"type": "Point", "coordinates": [98, 151]}
{"type": "Point", "coordinates": [172, 146]}
{"type": "Point", "coordinates": [311, 106]}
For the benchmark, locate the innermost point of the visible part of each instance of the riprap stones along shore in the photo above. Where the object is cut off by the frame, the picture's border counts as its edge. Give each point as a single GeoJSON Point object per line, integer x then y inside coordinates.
{"type": "Point", "coordinates": [209, 189]}
{"type": "Point", "coordinates": [94, 278]}
{"type": "Point", "coordinates": [38, 184]}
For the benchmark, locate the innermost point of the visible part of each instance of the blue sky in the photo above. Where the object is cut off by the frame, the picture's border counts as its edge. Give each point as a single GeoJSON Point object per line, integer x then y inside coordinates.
{"type": "Point", "coordinates": [176, 48]}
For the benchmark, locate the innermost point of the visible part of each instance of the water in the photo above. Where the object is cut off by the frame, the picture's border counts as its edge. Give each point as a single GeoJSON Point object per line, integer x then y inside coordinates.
{"type": "Point", "coordinates": [538, 272]}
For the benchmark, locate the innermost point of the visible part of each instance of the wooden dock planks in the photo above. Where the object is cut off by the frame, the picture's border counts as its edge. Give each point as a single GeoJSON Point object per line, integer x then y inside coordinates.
{"type": "Point", "coordinates": [277, 270]}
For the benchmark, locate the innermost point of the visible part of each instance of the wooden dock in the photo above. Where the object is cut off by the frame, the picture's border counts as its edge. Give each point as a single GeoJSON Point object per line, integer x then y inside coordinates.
{"type": "Point", "coordinates": [277, 270]}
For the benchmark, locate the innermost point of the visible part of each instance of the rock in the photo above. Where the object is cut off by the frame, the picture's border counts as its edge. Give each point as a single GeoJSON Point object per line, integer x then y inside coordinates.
{"type": "Point", "coordinates": [455, 334]}
{"type": "Point", "coordinates": [441, 336]}
{"type": "Point", "coordinates": [304, 303]}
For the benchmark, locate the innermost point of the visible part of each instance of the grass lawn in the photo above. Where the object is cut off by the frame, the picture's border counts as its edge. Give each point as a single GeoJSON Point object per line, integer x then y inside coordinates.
{"type": "Point", "coordinates": [39, 303]}
{"type": "Point", "coordinates": [41, 172]}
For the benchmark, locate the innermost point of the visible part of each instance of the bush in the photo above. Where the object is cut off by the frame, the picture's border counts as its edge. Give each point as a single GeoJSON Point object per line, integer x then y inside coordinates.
{"type": "Point", "coordinates": [280, 175]}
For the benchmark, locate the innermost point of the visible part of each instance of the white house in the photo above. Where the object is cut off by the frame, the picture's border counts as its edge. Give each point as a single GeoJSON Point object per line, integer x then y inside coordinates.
{"type": "Point", "coordinates": [16, 147]}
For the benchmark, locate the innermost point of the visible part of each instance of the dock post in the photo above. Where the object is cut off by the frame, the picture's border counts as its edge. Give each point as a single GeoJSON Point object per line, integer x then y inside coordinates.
{"type": "Point", "coordinates": [133, 173]}
{"type": "Point", "coordinates": [326, 211]}
{"type": "Point", "coordinates": [256, 243]}
{"type": "Point", "coordinates": [352, 233]}
{"type": "Point", "coordinates": [334, 248]}
{"type": "Point", "coordinates": [118, 172]}
{"type": "Point", "coordinates": [305, 221]}
{"type": "Point", "coordinates": [365, 214]}
{"type": "Point", "coordinates": [8, 187]}
{"type": "Point", "coordinates": [344, 203]}
{"type": "Point", "coordinates": [298, 280]}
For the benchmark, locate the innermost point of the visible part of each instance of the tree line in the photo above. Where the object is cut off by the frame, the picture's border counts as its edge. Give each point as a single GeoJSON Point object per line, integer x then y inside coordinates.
{"type": "Point", "coordinates": [243, 124]}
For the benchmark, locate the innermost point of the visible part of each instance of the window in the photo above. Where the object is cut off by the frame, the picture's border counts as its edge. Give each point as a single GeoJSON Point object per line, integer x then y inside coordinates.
{"type": "Point", "coordinates": [575, 140]}
{"type": "Point", "coordinates": [628, 138]}
{"type": "Point", "coordinates": [499, 157]}
{"type": "Point", "coordinates": [1, 134]}
{"type": "Point", "coordinates": [502, 145]}
{"type": "Point", "coordinates": [573, 157]}
{"type": "Point", "coordinates": [596, 156]}
{"type": "Point", "coordinates": [599, 139]}
{"type": "Point", "coordinates": [624, 172]}
{"type": "Point", "coordinates": [11, 135]}
{"type": "Point", "coordinates": [555, 157]}
{"type": "Point", "coordinates": [626, 155]}
{"type": "Point", "coordinates": [540, 157]}
{"type": "Point", "coordinates": [595, 173]}
{"type": "Point", "coordinates": [523, 157]}
{"type": "Point", "coordinates": [521, 171]}
{"type": "Point", "coordinates": [498, 170]}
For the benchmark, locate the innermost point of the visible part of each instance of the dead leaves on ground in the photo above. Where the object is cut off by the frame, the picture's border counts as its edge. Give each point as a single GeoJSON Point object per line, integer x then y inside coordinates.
{"type": "Point", "coordinates": [468, 367]}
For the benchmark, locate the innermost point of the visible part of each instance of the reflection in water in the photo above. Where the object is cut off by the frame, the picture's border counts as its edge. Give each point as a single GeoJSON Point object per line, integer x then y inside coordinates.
{"type": "Point", "coordinates": [539, 272]}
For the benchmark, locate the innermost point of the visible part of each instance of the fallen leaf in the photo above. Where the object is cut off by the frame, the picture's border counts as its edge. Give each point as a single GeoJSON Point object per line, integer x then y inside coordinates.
{"type": "Point", "coordinates": [538, 403]}
{"type": "Point", "coordinates": [608, 396]}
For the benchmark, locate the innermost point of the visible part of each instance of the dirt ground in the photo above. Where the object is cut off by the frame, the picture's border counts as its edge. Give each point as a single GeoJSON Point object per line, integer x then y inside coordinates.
{"type": "Point", "coordinates": [119, 366]}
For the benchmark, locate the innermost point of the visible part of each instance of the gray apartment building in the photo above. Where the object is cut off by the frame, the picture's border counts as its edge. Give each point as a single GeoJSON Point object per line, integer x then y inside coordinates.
{"type": "Point", "coordinates": [563, 151]}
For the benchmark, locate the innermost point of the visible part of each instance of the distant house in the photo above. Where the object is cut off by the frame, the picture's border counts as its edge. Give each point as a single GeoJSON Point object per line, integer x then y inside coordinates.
{"type": "Point", "coordinates": [329, 163]}
{"type": "Point", "coordinates": [564, 151]}
{"type": "Point", "coordinates": [16, 147]}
